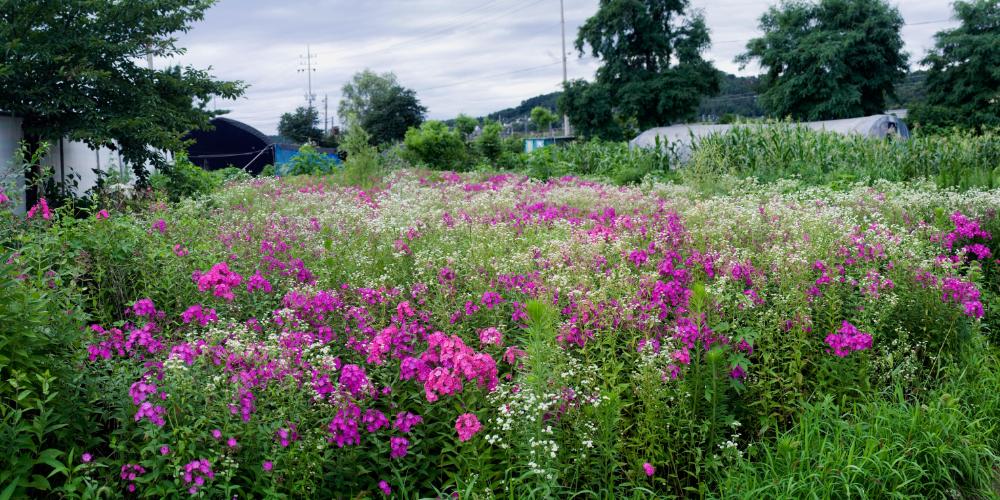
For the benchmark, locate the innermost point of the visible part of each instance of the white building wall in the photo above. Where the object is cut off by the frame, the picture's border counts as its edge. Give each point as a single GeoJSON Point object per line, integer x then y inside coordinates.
{"type": "Point", "coordinates": [74, 158]}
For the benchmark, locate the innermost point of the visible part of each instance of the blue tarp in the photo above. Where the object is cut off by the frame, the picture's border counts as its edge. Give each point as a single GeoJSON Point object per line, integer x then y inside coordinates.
{"type": "Point", "coordinates": [284, 152]}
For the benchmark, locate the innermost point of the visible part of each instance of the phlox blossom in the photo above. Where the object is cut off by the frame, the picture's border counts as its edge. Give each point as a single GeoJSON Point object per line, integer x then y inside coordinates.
{"type": "Point", "coordinates": [848, 339]}
{"type": "Point", "coordinates": [490, 336]}
{"type": "Point", "coordinates": [42, 206]}
{"type": "Point", "coordinates": [398, 447]}
{"type": "Point", "coordinates": [467, 426]}
{"type": "Point", "coordinates": [649, 469]}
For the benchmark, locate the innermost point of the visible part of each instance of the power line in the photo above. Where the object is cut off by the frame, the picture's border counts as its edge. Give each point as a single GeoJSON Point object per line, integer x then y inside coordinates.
{"type": "Point", "coordinates": [439, 33]}
{"type": "Point", "coordinates": [308, 69]}
{"type": "Point", "coordinates": [489, 77]}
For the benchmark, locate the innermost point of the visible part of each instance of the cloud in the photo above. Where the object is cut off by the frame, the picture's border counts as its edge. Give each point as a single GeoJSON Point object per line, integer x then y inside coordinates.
{"type": "Point", "coordinates": [459, 55]}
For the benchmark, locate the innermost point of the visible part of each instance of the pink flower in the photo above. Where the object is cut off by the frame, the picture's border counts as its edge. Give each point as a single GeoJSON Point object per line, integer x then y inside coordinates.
{"type": "Point", "coordinates": [406, 421]}
{"type": "Point", "coordinates": [217, 434]}
{"type": "Point", "coordinates": [231, 442]}
{"type": "Point", "coordinates": [43, 206]}
{"type": "Point", "coordinates": [384, 486]}
{"type": "Point", "coordinates": [848, 339]}
{"type": "Point", "coordinates": [179, 250]}
{"type": "Point", "coordinates": [467, 426]}
{"type": "Point", "coordinates": [398, 447]}
{"type": "Point", "coordinates": [267, 465]}
{"type": "Point", "coordinates": [3, 197]}
{"type": "Point", "coordinates": [490, 336]}
{"type": "Point", "coordinates": [650, 470]}
{"type": "Point", "coordinates": [160, 225]}
{"type": "Point", "coordinates": [103, 214]}
{"type": "Point", "coordinates": [220, 279]}
{"type": "Point", "coordinates": [164, 450]}
{"type": "Point", "coordinates": [196, 473]}
{"type": "Point", "coordinates": [86, 457]}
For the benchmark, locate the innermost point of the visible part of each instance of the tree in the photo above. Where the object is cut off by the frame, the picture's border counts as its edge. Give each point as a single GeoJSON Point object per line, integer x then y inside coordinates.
{"type": "Point", "coordinates": [381, 105]}
{"type": "Point", "coordinates": [963, 77]}
{"type": "Point", "coordinates": [542, 118]}
{"type": "Point", "coordinates": [827, 60]}
{"type": "Point", "coordinates": [590, 110]}
{"type": "Point", "coordinates": [652, 70]}
{"type": "Point", "coordinates": [466, 125]}
{"type": "Point", "coordinates": [77, 70]}
{"type": "Point", "coordinates": [301, 126]}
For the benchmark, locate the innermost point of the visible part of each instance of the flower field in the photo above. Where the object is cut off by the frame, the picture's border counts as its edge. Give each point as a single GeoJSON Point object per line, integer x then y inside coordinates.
{"type": "Point", "coordinates": [484, 335]}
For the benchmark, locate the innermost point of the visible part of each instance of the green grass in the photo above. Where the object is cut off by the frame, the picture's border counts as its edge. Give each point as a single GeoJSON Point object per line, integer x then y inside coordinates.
{"type": "Point", "coordinates": [944, 446]}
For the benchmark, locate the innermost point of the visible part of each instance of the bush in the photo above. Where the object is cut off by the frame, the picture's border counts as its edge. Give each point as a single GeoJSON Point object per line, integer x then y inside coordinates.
{"type": "Point", "coordinates": [489, 144]}
{"type": "Point", "coordinates": [184, 179]}
{"type": "Point", "coordinates": [363, 166]}
{"type": "Point", "coordinates": [308, 161]}
{"type": "Point", "coordinates": [45, 413]}
{"type": "Point", "coordinates": [614, 161]}
{"type": "Point", "coordinates": [435, 146]}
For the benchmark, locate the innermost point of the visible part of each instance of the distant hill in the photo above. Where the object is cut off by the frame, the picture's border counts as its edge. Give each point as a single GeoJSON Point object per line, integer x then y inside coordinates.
{"type": "Point", "coordinates": [737, 97]}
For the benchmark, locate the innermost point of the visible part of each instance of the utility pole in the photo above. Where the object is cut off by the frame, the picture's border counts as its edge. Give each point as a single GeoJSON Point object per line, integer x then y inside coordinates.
{"type": "Point", "coordinates": [562, 19]}
{"type": "Point", "coordinates": [307, 60]}
{"type": "Point", "coordinates": [326, 123]}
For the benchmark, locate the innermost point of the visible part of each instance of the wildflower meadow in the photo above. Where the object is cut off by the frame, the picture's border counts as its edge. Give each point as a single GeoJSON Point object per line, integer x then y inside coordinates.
{"type": "Point", "coordinates": [487, 335]}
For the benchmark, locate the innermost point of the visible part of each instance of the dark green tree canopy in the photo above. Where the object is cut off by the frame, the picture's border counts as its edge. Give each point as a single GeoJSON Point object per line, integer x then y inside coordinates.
{"type": "Point", "coordinates": [381, 105]}
{"type": "Point", "coordinates": [77, 69]}
{"type": "Point", "coordinates": [590, 110]}
{"type": "Point", "coordinates": [830, 59]}
{"type": "Point", "coordinates": [301, 126]}
{"type": "Point", "coordinates": [652, 71]}
{"type": "Point", "coordinates": [963, 77]}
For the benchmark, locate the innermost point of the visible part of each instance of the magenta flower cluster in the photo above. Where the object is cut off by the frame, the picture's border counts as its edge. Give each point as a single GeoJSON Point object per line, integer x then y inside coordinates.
{"type": "Point", "coordinates": [848, 339]}
{"type": "Point", "coordinates": [196, 474]}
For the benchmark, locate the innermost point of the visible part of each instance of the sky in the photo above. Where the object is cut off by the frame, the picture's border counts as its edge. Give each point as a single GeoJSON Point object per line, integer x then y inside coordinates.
{"type": "Point", "coordinates": [461, 56]}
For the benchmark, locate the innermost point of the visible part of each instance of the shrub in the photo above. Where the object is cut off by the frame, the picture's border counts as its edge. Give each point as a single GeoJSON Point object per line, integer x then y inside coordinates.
{"type": "Point", "coordinates": [184, 179]}
{"type": "Point", "coordinates": [308, 161]}
{"type": "Point", "coordinates": [435, 146]}
{"type": "Point", "coordinates": [363, 166]}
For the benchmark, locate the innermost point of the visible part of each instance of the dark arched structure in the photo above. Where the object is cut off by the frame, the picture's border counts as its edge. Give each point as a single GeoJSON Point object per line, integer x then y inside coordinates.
{"type": "Point", "coordinates": [231, 144]}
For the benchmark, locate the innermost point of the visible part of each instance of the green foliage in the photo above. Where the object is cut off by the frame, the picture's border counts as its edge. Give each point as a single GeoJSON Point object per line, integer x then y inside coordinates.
{"type": "Point", "coordinates": [523, 111]}
{"type": "Point", "coordinates": [652, 70]}
{"type": "Point", "coordinates": [308, 161]}
{"type": "Point", "coordinates": [301, 125]}
{"type": "Point", "coordinates": [773, 152]}
{"type": "Point", "coordinates": [363, 166]}
{"type": "Point", "coordinates": [184, 179]}
{"type": "Point", "coordinates": [435, 146]}
{"type": "Point", "coordinates": [381, 106]}
{"type": "Point", "coordinates": [42, 408]}
{"type": "Point", "coordinates": [606, 160]}
{"type": "Point", "coordinates": [465, 125]}
{"type": "Point", "coordinates": [964, 71]}
{"type": "Point", "coordinates": [879, 449]}
{"type": "Point", "coordinates": [489, 144]}
{"type": "Point", "coordinates": [543, 118]}
{"type": "Point", "coordinates": [590, 110]}
{"type": "Point", "coordinates": [737, 96]}
{"type": "Point", "coordinates": [77, 70]}
{"type": "Point", "coordinates": [829, 59]}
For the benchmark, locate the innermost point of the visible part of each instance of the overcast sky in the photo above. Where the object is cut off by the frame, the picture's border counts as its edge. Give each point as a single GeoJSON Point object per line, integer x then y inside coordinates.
{"type": "Point", "coordinates": [471, 56]}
